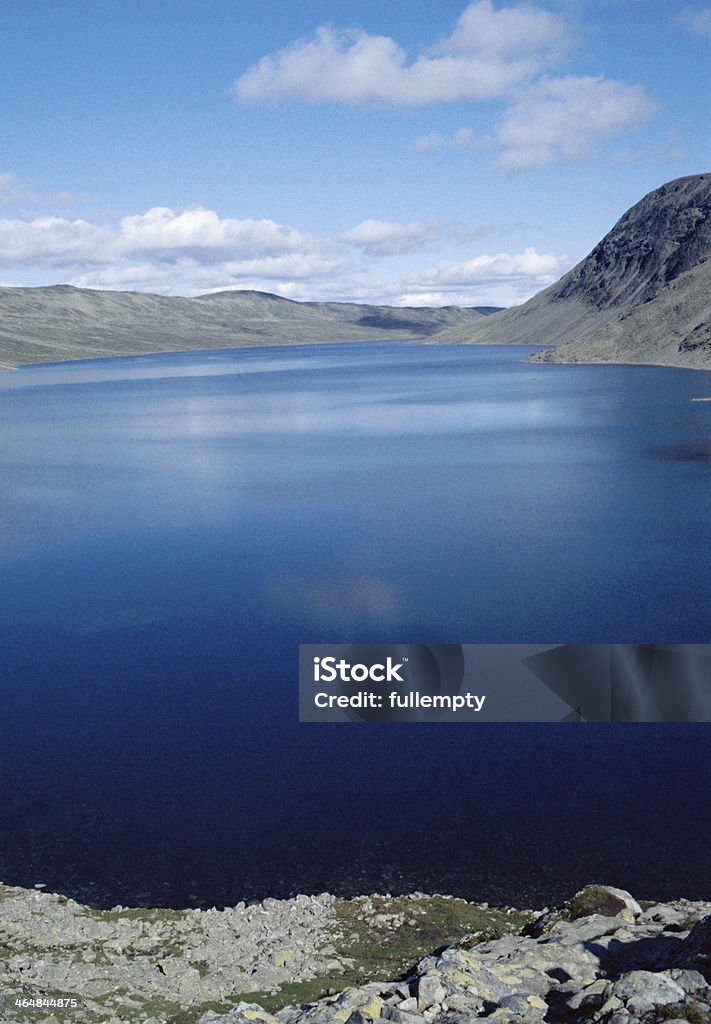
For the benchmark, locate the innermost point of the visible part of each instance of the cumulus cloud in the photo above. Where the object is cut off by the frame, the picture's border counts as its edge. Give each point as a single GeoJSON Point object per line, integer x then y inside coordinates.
{"type": "Point", "coordinates": [504, 54]}
{"type": "Point", "coordinates": [54, 242]}
{"type": "Point", "coordinates": [506, 277]}
{"type": "Point", "coordinates": [530, 263]}
{"type": "Point", "coordinates": [204, 236]}
{"type": "Point", "coordinates": [563, 117]}
{"type": "Point", "coordinates": [488, 53]}
{"type": "Point", "coordinates": [194, 251]}
{"type": "Point", "coordinates": [160, 234]}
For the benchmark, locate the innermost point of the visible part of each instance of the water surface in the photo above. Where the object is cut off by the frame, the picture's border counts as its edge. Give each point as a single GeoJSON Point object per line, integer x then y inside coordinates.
{"type": "Point", "coordinates": [173, 526]}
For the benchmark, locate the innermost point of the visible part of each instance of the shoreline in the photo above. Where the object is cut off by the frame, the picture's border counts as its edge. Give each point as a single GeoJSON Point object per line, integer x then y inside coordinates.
{"type": "Point", "coordinates": [544, 355]}
{"type": "Point", "coordinates": [413, 959]}
{"type": "Point", "coordinates": [247, 346]}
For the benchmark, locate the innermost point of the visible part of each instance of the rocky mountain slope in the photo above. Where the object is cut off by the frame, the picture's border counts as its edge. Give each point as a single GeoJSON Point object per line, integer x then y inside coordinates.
{"type": "Point", "coordinates": [643, 295]}
{"type": "Point", "coordinates": [62, 322]}
{"type": "Point", "coordinates": [602, 957]}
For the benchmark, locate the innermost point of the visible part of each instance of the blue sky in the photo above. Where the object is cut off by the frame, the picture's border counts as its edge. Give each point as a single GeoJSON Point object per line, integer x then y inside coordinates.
{"type": "Point", "coordinates": [435, 152]}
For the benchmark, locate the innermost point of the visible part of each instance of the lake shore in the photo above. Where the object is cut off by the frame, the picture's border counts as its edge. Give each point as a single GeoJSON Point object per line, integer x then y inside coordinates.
{"type": "Point", "coordinates": [554, 355]}
{"type": "Point", "coordinates": [415, 959]}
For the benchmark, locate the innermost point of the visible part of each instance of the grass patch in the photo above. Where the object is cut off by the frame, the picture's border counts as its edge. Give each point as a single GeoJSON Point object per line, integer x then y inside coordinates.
{"type": "Point", "coordinates": [381, 937]}
{"type": "Point", "coordinates": [386, 936]}
{"type": "Point", "coordinates": [692, 1012]}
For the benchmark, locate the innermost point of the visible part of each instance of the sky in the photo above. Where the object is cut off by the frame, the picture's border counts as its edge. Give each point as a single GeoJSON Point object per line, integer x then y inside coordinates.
{"type": "Point", "coordinates": [431, 153]}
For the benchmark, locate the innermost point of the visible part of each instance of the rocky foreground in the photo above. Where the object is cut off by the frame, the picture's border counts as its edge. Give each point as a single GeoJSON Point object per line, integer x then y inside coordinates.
{"type": "Point", "coordinates": [319, 959]}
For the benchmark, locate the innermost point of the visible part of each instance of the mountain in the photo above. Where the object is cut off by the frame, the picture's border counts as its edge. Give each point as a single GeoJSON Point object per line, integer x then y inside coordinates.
{"type": "Point", "coordinates": [643, 295]}
{"type": "Point", "coordinates": [61, 322]}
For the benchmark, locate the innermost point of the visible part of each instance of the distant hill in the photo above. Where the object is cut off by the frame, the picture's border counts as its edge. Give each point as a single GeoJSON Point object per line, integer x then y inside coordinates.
{"type": "Point", "coordinates": [643, 295]}
{"type": "Point", "coordinates": [61, 322]}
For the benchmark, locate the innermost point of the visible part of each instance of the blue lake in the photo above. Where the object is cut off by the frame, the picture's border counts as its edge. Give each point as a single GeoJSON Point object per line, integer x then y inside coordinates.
{"type": "Point", "coordinates": [173, 526]}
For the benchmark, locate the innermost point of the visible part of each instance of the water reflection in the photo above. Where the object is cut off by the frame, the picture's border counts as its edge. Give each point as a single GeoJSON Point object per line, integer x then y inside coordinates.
{"type": "Point", "coordinates": [172, 527]}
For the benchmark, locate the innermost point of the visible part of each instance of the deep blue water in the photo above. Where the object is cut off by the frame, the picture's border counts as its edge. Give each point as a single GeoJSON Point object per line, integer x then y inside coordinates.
{"type": "Point", "coordinates": [173, 526]}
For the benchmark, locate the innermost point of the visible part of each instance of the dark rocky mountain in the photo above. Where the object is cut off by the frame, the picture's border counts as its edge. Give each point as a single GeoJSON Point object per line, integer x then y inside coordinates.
{"type": "Point", "coordinates": [61, 322]}
{"type": "Point", "coordinates": [643, 295]}
{"type": "Point", "coordinates": [665, 234]}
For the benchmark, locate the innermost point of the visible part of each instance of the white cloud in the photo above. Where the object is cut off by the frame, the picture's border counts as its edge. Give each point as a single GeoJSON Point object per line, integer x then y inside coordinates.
{"type": "Point", "coordinates": [524, 33]}
{"type": "Point", "coordinates": [296, 274]}
{"type": "Point", "coordinates": [530, 263]}
{"type": "Point", "coordinates": [139, 277]}
{"type": "Point", "coordinates": [563, 117]}
{"type": "Point", "coordinates": [194, 251]}
{"type": "Point", "coordinates": [461, 139]}
{"type": "Point", "coordinates": [204, 236]}
{"type": "Point", "coordinates": [488, 53]}
{"type": "Point", "coordinates": [295, 266]}
{"type": "Point", "coordinates": [54, 242]}
{"type": "Point", "coordinates": [501, 278]}
{"type": "Point", "coordinates": [385, 238]}
{"type": "Point", "coordinates": [159, 234]}
{"type": "Point", "coordinates": [430, 299]}
{"type": "Point", "coordinates": [504, 54]}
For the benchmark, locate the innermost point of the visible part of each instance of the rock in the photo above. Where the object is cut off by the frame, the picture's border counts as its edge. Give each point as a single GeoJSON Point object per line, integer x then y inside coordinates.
{"type": "Point", "coordinates": [594, 900]}
{"type": "Point", "coordinates": [697, 948]}
{"type": "Point", "coordinates": [527, 1007]}
{"type": "Point", "coordinates": [399, 1016]}
{"type": "Point", "coordinates": [409, 1005]}
{"type": "Point", "coordinates": [690, 981]}
{"type": "Point", "coordinates": [622, 1017]}
{"type": "Point", "coordinates": [642, 991]}
{"type": "Point", "coordinates": [586, 929]}
{"type": "Point", "coordinates": [542, 923]}
{"type": "Point", "coordinates": [429, 991]}
{"type": "Point", "coordinates": [614, 963]}
{"type": "Point", "coordinates": [589, 998]}
{"type": "Point", "coordinates": [670, 918]}
{"type": "Point", "coordinates": [184, 959]}
{"type": "Point", "coordinates": [464, 968]}
{"type": "Point", "coordinates": [358, 1017]}
{"type": "Point", "coordinates": [603, 900]}
{"type": "Point", "coordinates": [609, 1007]}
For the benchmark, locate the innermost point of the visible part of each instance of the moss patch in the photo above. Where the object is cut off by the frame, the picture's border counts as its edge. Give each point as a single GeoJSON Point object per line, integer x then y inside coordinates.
{"type": "Point", "coordinates": [594, 899]}
{"type": "Point", "coordinates": [386, 936]}
{"type": "Point", "coordinates": [381, 938]}
{"type": "Point", "coordinates": [692, 1012]}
